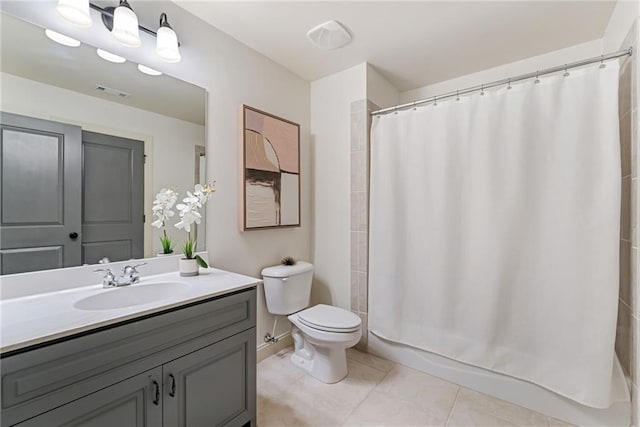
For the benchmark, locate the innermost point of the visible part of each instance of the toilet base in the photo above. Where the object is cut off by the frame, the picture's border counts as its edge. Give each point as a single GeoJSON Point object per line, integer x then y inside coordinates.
{"type": "Point", "coordinates": [327, 364]}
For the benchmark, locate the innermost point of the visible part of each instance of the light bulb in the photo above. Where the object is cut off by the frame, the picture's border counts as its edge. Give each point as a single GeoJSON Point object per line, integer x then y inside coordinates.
{"type": "Point", "coordinates": [125, 25]}
{"type": "Point", "coordinates": [167, 42]}
{"type": "Point", "coordinates": [75, 11]}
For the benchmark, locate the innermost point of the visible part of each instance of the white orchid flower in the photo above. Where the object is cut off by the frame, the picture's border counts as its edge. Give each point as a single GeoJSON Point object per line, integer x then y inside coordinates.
{"type": "Point", "coordinates": [189, 214]}
{"type": "Point", "coordinates": [190, 206]}
{"type": "Point", "coordinates": [165, 199]}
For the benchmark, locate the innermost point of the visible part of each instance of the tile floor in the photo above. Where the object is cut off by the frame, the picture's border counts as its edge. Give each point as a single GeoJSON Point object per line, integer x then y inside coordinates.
{"type": "Point", "coordinates": [378, 392]}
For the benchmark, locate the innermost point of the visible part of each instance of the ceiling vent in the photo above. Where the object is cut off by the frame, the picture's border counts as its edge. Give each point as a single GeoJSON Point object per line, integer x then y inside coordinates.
{"type": "Point", "coordinates": [113, 92]}
{"type": "Point", "coordinates": [328, 36]}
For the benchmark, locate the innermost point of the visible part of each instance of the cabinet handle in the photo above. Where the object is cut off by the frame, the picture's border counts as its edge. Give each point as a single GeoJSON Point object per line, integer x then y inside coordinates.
{"type": "Point", "coordinates": [172, 392]}
{"type": "Point", "coordinates": [156, 399]}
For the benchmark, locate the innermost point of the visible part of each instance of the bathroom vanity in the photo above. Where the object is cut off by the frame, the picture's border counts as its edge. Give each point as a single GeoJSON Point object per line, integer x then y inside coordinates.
{"type": "Point", "coordinates": [188, 359]}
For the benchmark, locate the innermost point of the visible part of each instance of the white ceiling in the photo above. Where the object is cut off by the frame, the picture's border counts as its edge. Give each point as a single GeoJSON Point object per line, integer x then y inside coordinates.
{"type": "Point", "coordinates": [413, 43]}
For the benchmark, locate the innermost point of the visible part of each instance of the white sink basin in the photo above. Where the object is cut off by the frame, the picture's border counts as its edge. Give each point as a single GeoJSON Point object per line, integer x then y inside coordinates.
{"type": "Point", "coordinates": [132, 295]}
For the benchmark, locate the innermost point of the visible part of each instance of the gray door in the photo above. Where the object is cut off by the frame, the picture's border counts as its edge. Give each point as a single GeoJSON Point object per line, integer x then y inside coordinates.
{"type": "Point", "coordinates": [40, 168]}
{"type": "Point", "coordinates": [136, 402]}
{"type": "Point", "coordinates": [112, 198]}
{"type": "Point", "coordinates": [213, 386]}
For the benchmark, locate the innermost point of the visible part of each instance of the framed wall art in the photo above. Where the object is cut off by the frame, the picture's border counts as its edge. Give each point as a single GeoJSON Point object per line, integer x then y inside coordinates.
{"type": "Point", "coordinates": [270, 169]}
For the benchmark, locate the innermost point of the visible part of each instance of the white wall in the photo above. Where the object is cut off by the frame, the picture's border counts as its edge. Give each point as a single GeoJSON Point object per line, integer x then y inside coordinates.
{"type": "Point", "coordinates": [233, 74]}
{"type": "Point", "coordinates": [379, 90]}
{"type": "Point", "coordinates": [171, 141]}
{"type": "Point", "coordinates": [547, 60]}
{"type": "Point", "coordinates": [624, 15]}
{"type": "Point", "coordinates": [331, 99]}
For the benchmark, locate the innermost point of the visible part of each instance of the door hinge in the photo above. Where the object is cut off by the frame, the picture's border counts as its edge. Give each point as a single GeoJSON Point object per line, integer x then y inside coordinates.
{"type": "Point", "coordinates": [144, 158]}
{"type": "Point", "coordinates": [144, 218]}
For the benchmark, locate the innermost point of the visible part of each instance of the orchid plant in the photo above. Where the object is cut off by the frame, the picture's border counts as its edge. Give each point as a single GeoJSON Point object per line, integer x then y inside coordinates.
{"type": "Point", "coordinates": [162, 205]}
{"type": "Point", "coordinates": [189, 214]}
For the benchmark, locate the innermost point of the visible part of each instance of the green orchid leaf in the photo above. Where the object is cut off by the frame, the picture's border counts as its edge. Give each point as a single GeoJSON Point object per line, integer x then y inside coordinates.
{"type": "Point", "coordinates": [201, 262]}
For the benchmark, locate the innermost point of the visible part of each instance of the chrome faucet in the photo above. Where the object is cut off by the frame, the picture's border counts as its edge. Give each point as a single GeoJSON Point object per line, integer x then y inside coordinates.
{"type": "Point", "coordinates": [128, 276]}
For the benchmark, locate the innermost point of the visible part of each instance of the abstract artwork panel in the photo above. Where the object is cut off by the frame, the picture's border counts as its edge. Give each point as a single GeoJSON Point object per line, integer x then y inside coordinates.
{"type": "Point", "coordinates": [271, 171]}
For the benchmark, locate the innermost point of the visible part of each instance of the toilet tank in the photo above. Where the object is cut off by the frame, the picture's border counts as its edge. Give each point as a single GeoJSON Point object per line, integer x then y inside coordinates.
{"type": "Point", "coordinates": [287, 288]}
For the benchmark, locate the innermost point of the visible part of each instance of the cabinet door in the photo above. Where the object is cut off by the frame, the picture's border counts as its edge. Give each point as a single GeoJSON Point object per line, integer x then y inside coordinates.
{"type": "Point", "coordinates": [135, 402]}
{"type": "Point", "coordinates": [213, 386]}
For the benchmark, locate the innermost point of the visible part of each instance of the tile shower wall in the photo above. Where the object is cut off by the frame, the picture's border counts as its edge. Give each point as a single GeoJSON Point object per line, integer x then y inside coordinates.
{"type": "Point", "coordinates": [360, 122]}
{"type": "Point", "coordinates": [629, 307]}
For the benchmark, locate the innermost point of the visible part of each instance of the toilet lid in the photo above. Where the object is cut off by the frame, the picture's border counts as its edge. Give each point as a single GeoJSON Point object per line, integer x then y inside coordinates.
{"type": "Point", "coordinates": [329, 318]}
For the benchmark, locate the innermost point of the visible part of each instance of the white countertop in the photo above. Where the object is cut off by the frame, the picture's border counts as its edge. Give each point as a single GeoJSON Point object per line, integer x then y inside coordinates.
{"type": "Point", "coordinates": [35, 319]}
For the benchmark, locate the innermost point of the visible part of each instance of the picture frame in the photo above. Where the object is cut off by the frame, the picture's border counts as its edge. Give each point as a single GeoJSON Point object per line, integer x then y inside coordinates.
{"type": "Point", "coordinates": [269, 171]}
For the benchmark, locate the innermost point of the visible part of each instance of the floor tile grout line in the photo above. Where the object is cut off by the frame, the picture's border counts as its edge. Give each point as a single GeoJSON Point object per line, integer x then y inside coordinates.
{"type": "Point", "coordinates": [455, 400]}
{"type": "Point", "coordinates": [368, 393]}
{"type": "Point", "coordinates": [370, 366]}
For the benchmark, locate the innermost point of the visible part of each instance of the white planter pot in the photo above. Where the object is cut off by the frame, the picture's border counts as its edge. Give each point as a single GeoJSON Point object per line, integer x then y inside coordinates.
{"type": "Point", "coordinates": [188, 267]}
{"type": "Point", "coordinates": [163, 254]}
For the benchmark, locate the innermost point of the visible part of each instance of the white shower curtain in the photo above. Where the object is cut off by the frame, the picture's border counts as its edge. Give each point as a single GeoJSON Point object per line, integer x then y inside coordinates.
{"type": "Point", "coordinates": [494, 231]}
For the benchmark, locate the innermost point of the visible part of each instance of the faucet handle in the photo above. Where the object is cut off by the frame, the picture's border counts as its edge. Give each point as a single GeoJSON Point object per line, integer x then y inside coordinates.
{"type": "Point", "coordinates": [131, 269]}
{"type": "Point", "coordinates": [109, 279]}
{"type": "Point", "coordinates": [130, 274]}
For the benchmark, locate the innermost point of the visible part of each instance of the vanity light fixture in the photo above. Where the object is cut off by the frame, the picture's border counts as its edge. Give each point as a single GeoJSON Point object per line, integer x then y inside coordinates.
{"type": "Point", "coordinates": [61, 38]}
{"type": "Point", "coordinates": [125, 25]}
{"type": "Point", "coordinates": [167, 42]}
{"type": "Point", "coordinates": [149, 71]}
{"type": "Point", "coordinates": [75, 11]}
{"type": "Point", "coordinates": [111, 57]}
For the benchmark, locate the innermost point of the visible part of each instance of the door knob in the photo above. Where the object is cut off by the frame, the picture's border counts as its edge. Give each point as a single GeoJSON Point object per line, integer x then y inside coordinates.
{"type": "Point", "coordinates": [73, 235]}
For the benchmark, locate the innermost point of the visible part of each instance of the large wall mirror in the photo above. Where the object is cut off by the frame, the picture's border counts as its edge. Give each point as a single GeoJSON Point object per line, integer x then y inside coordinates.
{"type": "Point", "coordinates": [85, 146]}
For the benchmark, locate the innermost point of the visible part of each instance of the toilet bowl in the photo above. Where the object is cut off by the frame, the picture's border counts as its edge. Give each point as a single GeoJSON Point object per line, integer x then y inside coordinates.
{"type": "Point", "coordinates": [321, 335]}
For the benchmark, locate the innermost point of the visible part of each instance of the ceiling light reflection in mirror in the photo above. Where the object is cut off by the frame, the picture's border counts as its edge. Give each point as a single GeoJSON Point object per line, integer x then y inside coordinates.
{"type": "Point", "coordinates": [150, 71]}
{"type": "Point", "coordinates": [111, 57]}
{"type": "Point", "coordinates": [62, 39]}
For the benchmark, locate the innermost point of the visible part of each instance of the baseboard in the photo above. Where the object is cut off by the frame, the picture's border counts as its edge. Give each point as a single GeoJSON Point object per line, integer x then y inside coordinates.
{"type": "Point", "coordinates": [265, 350]}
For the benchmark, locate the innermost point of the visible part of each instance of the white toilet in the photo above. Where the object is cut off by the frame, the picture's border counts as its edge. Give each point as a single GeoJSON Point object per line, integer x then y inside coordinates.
{"type": "Point", "coordinates": [322, 333]}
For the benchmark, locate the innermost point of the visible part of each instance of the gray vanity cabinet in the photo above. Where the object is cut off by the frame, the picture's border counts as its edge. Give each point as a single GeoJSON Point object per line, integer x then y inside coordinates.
{"type": "Point", "coordinates": [211, 387]}
{"type": "Point", "coordinates": [131, 403]}
{"type": "Point", "coordinates": [190, 366]}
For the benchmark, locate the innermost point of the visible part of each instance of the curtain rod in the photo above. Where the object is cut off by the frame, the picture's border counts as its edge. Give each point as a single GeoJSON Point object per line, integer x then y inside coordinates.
{"type": "Point", "coordinates": [507, 81]}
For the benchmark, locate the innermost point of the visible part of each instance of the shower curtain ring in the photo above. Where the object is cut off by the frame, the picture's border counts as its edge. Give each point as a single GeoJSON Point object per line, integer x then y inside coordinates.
{"type": "Point", "coordinates": [602, 64]}
{"type": "Point", "coordinates": [482, 90]}
{"type": "Point", "coordinates": [435, 101]}
{"type": "Point", "coordinates": [566, 73]}
{"type": "Point", "coordinates": [537, 80]}
{"type": "Point", "coordinates": [457, 95]}
{"type": "Point", "coordinates": [509, 84]}
{"type": "Point", "coordinates": [414, 106]}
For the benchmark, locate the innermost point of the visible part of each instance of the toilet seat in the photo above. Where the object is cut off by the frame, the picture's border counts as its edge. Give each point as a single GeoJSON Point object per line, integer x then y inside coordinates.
{"type": "Point", "coordinates": [329, 319]}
